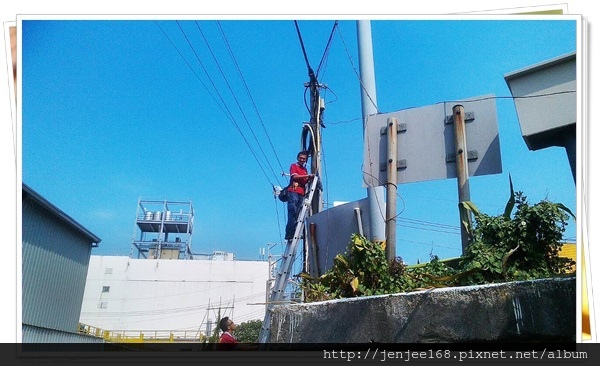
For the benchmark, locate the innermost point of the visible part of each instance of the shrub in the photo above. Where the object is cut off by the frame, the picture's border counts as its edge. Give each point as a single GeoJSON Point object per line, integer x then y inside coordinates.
{"type": "Point", "coordinates": [502, 248]}
{"type": "Point", "coordinates": [522, 247]}
{"type": "Point", "coordinates": [248, 332]}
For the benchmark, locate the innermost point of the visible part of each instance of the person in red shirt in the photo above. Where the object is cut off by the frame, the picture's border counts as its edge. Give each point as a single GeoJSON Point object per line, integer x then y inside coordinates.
{"type": "Point", "coordinates": [299, 177]}
{"type": "Point", "coordinates": [227, 340]}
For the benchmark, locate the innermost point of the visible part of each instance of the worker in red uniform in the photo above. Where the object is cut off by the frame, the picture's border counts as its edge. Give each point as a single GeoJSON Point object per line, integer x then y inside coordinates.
{"type": "Point", "coordinates": [299, 177]}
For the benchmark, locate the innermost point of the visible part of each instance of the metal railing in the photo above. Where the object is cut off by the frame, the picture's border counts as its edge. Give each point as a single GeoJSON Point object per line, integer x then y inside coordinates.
{"type": "Point", "coordinates": [142, 336]}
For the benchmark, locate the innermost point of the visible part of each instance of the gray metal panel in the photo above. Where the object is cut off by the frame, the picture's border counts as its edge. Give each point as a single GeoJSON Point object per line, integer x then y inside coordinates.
{"type": "Point", "coordinates": [545, 98]}
{"type": "Point", "coordinates": [54, 267]}
{"type": "Point", "coordinates": [425, 141]}
{"type": "Point", "coordinates": [334, 228]}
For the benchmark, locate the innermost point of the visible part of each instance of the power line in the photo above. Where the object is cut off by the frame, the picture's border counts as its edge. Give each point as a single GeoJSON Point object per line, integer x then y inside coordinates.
{"type": "Point", "coordinates": [327, 47]}
{"type": "Point", "coordinates": [311, 73]}
{"type": "Point", "coordinates": [223, 107]}
{"type": "Point", "coordinates": [249, 94]}
{"type": "Point", "coordinates": [232, 119]}
{"type": "Point", "coordinates": [178, 310]}
{"type": "Point", "coordinates": [429, 229]}
{"type": "Point", "coordinates": [428, 244]}
{"type": "Point", "coordinates": [429, 223]}
{"type": "Point", "coordinates": [235, 98]}
{"type": "Point", "coordinates": [362, 85]}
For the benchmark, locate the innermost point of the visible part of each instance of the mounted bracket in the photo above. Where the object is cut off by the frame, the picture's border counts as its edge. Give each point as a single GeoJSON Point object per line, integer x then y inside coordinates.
{"type": "Point", "coordinates": [400, 165]}
{"type": "Point", "coordinates": [469, 117]}
{"type": "Point", "coordinates": [471, 156]}
{"type": "Point", "coordinates": [400, 127]}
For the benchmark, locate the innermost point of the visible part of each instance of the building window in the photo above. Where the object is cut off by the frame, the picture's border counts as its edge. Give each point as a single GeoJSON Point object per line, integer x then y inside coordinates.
{"type": "Point", "coordinates": [105, 289]}
{"type": "Point", "coordinates": [102, 305]}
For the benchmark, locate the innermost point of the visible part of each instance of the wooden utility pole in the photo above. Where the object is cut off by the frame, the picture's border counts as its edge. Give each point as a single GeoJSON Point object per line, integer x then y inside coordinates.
{"type": "Point", "coordinates": [392, 182]}
{"type": "Point", "coordinates": [462, 171]}
{"type": "Point", "coordinates": [317, 106]}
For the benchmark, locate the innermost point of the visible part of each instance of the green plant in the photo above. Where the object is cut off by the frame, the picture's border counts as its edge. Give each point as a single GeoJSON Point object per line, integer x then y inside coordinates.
{"type": "Point", "coordinates": [432, 274]}
{"type": "Point", "coordinates": [507, 247]}
{"type": "Point", "coordinates": [364, 270]}
{"type": "Point", "coordinates": [519, 247]}
{"type": "Point", "coordinates": [361, 270]}
{"type": "Point", "coordinates": [248, 332]}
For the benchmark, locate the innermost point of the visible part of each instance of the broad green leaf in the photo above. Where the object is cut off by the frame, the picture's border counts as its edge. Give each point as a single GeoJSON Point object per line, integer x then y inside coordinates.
{"type": "Point", "coordinates": [511, 200]}
{"type": "Point", "coordinates": [566, 209]}
{"type": "Point", "coordinates": [470, 206]}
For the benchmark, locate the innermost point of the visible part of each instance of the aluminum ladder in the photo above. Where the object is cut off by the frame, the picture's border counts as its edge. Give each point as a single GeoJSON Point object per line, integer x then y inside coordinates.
{"type": "Point", "coordinates": [283, 274]}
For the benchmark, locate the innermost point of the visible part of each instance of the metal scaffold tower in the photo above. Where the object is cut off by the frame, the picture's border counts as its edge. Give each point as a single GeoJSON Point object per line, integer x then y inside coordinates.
{"type": "Point", "coordinates": [163, 230]}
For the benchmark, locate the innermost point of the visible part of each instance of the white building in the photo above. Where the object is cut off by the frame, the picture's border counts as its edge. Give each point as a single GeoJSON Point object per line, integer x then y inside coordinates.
{"type": "Point", "coordinates": [124, 294]}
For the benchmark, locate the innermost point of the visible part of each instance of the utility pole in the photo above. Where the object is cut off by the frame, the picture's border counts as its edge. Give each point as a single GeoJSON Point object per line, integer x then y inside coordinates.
{"type": "Point", "coordinates": [369, 106]}
{"type": "Point", "coordinates": [317, 106]}
{"type": "Point", "coordinates": [391, 188]}
{"type": "Point", "coordinates": [313, 129]}
{"type": "Point", "coordinates": [313, 132]}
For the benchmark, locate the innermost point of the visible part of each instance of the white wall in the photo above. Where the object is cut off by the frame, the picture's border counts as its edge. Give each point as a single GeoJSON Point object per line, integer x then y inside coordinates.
{"type": "Point", "coordinates": [161, 294]}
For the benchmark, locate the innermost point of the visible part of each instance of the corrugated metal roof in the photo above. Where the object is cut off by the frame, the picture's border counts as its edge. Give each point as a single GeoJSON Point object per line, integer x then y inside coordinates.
{"type": "Point", "coordinates": [27, 191]}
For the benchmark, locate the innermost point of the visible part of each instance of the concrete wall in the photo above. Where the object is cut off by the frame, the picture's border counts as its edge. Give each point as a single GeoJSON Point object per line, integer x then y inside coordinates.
{"type": "Point", "coordinates": [528, 311]}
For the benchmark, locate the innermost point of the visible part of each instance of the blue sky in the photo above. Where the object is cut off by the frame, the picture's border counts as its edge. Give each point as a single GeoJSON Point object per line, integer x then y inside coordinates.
{"type": "Point", "coordinates": [113, 112]}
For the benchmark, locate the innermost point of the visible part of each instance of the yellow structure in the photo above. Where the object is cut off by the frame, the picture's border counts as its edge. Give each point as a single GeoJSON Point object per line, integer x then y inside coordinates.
{"type": "Point", "coordinates": [569, 250]}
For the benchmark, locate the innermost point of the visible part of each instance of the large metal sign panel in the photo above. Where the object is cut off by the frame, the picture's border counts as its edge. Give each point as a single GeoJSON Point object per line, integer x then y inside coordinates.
{"type": "Point", "coordinates": [426, 142]}
{"type": "Point", "coordinates": [332, 231]}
